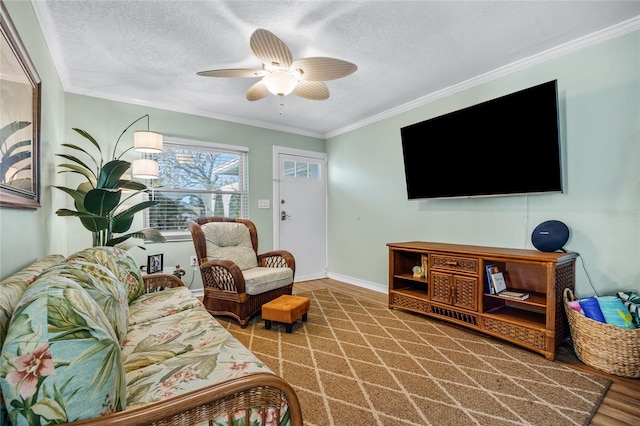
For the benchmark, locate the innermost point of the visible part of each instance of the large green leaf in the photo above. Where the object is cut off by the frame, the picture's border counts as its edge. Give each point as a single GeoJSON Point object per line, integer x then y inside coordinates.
{"type": "Point", "coordinates": [121, 224]}
{"type": "Point", "coordinates": [85, 187]}
{"type": "Point", "coordinates": [101, 201]}
{"type": "Point", "coordinates": [78, 198]}
{"type": "Point", "coordinates": [67, 212]}
{"type": "Point", "coordinates": [91, 222]}
{"type": "Point", "coordinates": [111, 173]}
{"type": "Point", "coordinates": [94, 223]}
{"type": "Point", "coordinates": [89, 137]}
{"type": "Point", "coordinates": [77, 148]}
{"type": "Point", "coordinates": [126, 215]}
{"type": "Point", "coordinates": [88, 174]}
{"type": "Point", "coordinates": [147, 234]}
{"type": "Point", "coordinates": [78, 162]}
{"type": "Point", "coordinates": [132, 185]}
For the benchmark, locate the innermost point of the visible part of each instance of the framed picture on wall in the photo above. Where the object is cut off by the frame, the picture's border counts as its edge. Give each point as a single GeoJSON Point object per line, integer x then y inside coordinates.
{"type": "Point", "coordinates": [154, 263]}
{"type": "Point", "coordinates": [20, 91]}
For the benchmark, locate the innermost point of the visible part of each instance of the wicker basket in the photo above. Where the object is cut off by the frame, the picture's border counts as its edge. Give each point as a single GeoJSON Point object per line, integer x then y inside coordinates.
{"type": "Point", "coordinates": [605, 347]}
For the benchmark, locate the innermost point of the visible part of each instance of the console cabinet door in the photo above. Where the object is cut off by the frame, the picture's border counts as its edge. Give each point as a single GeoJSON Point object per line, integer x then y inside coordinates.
{"type": "Point", "coordinates": [465, 294]}
{"type": "Point", "coordinates": [441, 287]}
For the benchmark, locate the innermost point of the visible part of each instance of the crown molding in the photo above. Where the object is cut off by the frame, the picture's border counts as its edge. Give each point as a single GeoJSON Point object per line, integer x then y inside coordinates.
{"type": "Point", "coordinates": [601, 36]}
{"type": "Point", "coordinates": [197, 112]}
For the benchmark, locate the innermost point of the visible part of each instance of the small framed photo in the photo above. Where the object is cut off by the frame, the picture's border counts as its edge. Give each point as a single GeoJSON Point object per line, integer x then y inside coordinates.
{"type": "Point", "coordinates": [154, 263]}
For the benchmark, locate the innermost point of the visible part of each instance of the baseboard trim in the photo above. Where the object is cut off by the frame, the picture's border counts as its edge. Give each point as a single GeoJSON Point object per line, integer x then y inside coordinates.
{"type": "Point", "coordinates": [199, 292]}
{"type": "Point", "coordinates": [359, 283]}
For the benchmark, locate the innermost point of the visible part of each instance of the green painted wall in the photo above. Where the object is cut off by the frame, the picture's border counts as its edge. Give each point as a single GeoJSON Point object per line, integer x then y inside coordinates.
{"type": "Point", "coordinates": [600, 105]}
{"type": "Point", "coordinates": [28, 235]}
{"type": "Point", "coordinates": [105, 120]}
{"type": "Point", "coordinates": [599, 90]}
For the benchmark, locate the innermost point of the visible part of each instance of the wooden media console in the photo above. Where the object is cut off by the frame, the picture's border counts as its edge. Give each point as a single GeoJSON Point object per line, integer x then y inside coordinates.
{"type": "Point", "coordinates": [453, 286]}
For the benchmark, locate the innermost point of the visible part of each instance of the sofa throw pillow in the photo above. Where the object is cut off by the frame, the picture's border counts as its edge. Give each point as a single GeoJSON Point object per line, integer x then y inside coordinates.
{"type": "Point", "coordinates": [108, 292]}
{"type": "Point", "coordinates": [632, 302]}
{"type": "Point", "coordinates": [118, 261]}
{"type": "Point", "coordinates": [230, 241]}
{"type": "Point", "coordinates": [61, 361]}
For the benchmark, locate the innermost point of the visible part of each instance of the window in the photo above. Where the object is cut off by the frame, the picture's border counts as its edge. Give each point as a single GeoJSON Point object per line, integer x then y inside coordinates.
{"type": "Point", "coordinates": [301, 169]}
{"type": "Point", "coordinates": [197, 179]}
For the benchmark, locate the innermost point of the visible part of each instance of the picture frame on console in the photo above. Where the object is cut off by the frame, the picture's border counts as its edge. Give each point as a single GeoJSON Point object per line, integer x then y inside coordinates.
{"type": "Point", "coordinates": [20, 96]}
{"type": "Point", "coordinates": [154, 263]}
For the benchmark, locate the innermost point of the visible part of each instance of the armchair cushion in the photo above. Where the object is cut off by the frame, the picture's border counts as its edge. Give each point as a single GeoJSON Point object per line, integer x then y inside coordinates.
{"type": "Point", "coordinates": [230, 241]}
{"type": "Point", "coordinates": [259, 279]}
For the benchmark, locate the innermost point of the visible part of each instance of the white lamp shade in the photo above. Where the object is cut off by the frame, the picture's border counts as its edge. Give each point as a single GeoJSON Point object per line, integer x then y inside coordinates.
{"type": "Point", "coordinates": [280, 83]}
{"type": "Point", "coordinates": [146, 141]}
{"type": "Point", "coordinates": [145, 168]}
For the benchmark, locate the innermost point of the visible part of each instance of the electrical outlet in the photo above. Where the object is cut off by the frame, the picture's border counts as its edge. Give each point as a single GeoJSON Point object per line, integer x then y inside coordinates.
{"type": "Point", "coordinates": [193, 261]}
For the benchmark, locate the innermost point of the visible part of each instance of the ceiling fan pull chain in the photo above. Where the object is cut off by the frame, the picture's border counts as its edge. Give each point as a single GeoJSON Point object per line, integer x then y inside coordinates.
{"type": "Point", "coordinates": [281, 103]}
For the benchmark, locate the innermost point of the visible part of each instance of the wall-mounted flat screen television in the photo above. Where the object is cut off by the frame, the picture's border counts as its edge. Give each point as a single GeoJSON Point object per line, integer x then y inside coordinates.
{"type": "Point", "coordinates": [505, 146]}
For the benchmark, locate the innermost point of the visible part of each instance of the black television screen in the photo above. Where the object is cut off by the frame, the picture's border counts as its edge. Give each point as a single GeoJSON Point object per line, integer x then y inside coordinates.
{"type": "Point", "coordinates": [505, 146]}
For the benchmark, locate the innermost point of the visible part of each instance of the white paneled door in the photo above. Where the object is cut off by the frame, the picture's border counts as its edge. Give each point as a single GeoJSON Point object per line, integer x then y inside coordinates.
{"type": "Point", "coordinates": [300, 222]}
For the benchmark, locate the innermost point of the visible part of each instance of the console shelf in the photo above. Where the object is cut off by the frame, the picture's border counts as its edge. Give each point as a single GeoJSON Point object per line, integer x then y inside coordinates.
{"type": "Point", "coordinates": [454, 288]}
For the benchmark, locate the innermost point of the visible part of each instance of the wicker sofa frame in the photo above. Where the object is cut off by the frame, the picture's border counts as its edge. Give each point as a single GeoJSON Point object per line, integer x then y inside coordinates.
{"type": "Point", "coordinates": [223, 282]}
{"type": "Point", "coordinates": [226, 398]}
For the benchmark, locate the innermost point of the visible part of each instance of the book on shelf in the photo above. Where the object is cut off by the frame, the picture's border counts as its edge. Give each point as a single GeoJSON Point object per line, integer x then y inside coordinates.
{"type": "Point", "coordinates": [518, 295]}
{"type": "Point", "coordinates": [498, 282]}
{"type": "Point", "coordinates": [491, 269]}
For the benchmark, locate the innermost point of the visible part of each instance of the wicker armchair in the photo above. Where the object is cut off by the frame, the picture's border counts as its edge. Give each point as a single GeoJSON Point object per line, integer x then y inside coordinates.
{"type": "Point", "coordinates": [237, 291]}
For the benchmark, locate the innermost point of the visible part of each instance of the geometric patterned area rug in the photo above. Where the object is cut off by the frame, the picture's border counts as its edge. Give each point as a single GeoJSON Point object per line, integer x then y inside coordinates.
{"type": "Point", "coordinates": [359, 363]}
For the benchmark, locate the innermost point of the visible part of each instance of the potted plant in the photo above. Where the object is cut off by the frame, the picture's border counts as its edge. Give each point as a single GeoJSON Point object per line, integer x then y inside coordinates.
{"type": "Point", "coordinates": [99, 201]}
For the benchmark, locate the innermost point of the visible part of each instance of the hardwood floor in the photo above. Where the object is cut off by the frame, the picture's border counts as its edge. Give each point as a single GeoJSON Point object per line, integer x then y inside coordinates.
{"type": "Point", "coordinates": [620, 406]}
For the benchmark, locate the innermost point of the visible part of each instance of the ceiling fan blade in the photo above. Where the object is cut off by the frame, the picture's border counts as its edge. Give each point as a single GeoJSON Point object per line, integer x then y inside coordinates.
{"type": "Point", "coordinates": [323, 69]}
{"type": "Point", "coordinates": [257, 91]}
{"type": "Point", "coordinates": [314, 90]}
{"type": "Point", "coordinates": [233, 73]}
{"type": "Point", "coordinates": [270, 49]}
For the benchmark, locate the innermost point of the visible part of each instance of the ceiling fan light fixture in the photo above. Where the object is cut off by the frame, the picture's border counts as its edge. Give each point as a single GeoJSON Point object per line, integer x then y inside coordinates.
{"type": "Point", "coordinates": [280, 83]}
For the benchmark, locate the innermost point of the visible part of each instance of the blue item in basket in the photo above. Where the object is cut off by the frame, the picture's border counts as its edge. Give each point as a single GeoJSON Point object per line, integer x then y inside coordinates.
{"type": "Point", "coordinates": [614, 311]}
{"type": "Point", "coordinates": [591, 308]}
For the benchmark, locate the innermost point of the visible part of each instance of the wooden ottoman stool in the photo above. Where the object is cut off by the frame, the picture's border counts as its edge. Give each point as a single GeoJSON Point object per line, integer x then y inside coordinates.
{"type": "Point", "coordinates": [286, 309]}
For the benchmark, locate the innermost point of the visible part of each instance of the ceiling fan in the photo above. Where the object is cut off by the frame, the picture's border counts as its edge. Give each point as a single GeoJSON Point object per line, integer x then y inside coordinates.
{"type": "Point", "coordinates": [281, 75]}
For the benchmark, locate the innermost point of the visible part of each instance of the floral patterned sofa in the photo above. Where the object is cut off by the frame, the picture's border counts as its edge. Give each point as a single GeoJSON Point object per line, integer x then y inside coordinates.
{"type": "Point", "coordinates": [87, 340]}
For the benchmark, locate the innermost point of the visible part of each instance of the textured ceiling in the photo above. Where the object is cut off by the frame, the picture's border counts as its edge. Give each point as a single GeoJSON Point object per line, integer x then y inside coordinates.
{"type": "Point", "coordinates": [148, 51]}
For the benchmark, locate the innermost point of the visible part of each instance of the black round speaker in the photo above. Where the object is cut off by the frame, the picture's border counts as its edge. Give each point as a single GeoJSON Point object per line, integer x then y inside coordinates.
{"type": "Point", "coordinates": [550, 236]}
